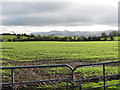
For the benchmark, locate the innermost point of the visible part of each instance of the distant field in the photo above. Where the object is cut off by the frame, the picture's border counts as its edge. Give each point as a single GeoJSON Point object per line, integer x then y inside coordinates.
{"type": "Point", "coordinates": [6, 37]}
{"type": "Point", "coordinates": [50, 52]}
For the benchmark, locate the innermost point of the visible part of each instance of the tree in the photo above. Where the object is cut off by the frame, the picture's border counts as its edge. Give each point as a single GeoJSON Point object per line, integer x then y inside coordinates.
{"type": "Point", "coordinates": [24, 34]}
{"type": "Point", "coordinates": [89, 38]}
{"type": "Point", "coordinates": [9, 40]}
{"type": "Point", "coordinates": [113, 34]}
{"type": "Point", "coordinates": [111, 38]}
{"type": "Point", "coordinates": [84, 38]}
{"type": "Point", "coordinates": [64, 39]}
{"type": "Point", "coordinates": [70, 38]}
{"type": "Point", "coordinates": [32, 35]}
{"type": "Point", "coordinates": [74, 38]}
{"type": "Point", "coordinates": [18, 36]}
{"type": "Point", "coordinates": [104, 35]}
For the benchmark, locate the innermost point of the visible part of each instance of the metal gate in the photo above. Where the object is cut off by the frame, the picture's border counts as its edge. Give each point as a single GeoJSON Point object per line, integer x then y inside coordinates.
{"type": "Point", "coordinates": [71, 81]}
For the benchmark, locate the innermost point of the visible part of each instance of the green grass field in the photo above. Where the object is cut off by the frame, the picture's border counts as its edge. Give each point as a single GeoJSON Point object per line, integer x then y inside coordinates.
{"type": "Point", "coordinates": [57, 52]}
{"type": "Point", "coordinates": [98, 51]}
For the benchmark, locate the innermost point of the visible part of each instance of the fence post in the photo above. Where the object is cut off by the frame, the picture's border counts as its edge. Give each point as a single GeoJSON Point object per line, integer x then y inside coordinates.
{"type": "Point", "coordinates": [80, 85]}
{"type": "Point", "coordinates": [12, 78]}
{"type": "Point", "coordinates": [67, 81]}
{"type": "Point", "coordinates": [104, 75]}
{"type": "Point", "coordinates": [72, 79]}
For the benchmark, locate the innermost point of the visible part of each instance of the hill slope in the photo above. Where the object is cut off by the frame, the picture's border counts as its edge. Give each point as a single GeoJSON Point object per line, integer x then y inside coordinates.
{"type": "Point", "coordinates": [73, 33]}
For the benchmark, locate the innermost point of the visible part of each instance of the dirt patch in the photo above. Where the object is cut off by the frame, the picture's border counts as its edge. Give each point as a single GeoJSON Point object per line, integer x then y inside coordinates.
{"type": "Point", "coordinates": [7, 48]}
{"type": "Point", "coordinates": [45, 62]}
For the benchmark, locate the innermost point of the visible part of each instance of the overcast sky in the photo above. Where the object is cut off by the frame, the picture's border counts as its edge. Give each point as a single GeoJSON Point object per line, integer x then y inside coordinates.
{"type": "Point", "coordinates": [85, 15]}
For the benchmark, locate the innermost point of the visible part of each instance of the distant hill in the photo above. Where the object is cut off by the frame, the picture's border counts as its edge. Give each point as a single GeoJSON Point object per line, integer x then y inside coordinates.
{"type": "Point", "coordinates": [73, 33]}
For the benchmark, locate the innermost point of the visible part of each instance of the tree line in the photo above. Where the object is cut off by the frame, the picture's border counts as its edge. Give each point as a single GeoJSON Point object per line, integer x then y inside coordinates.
{"type": "Point", "coordinates": [102, 37]}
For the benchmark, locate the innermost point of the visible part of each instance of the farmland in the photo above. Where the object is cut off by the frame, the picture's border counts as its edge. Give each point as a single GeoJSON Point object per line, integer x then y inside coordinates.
{"type": "Point", "coordinates": [51, 52]}
{"type": "Point", "coordinates": [59, 52]}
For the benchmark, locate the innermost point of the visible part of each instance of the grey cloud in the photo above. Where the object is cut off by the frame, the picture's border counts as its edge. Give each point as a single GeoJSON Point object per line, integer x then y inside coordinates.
{"type": "Point", "coordinates": [44, 20]}
{"type": "Point", "coordinates": [15, 8]}
{"type": "Point", "coordinates": [63, 14]}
